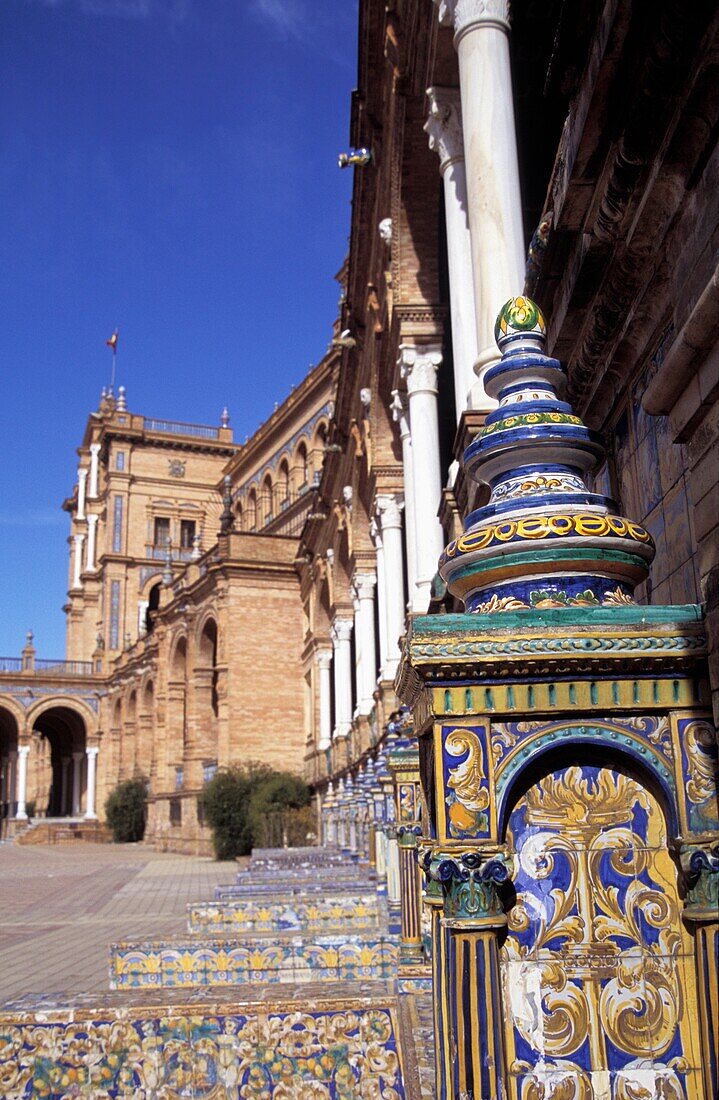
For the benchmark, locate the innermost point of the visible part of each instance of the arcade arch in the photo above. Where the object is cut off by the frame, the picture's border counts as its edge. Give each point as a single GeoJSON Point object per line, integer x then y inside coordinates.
{"type": "Point", "coordinates": [58, 780]}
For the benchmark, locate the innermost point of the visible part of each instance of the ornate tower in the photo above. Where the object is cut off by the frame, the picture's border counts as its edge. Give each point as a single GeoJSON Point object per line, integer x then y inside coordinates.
{"type": "Point", "coordinates": [569, 766]}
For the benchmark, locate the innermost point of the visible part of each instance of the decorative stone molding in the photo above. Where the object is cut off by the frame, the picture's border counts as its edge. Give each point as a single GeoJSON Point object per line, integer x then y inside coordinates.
{"type": "Point", "coordinates": [444, 125]}
{"type": "Point", "coordinates": [385, 230]}
{"type": "Point", "coordinates": [419, 365]}
{"type": "Point", "coordinates": [463, 15]}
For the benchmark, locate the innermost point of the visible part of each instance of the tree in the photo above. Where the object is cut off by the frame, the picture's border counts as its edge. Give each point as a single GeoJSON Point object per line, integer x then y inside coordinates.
{"type": "Point", "coordinates": [253, 806]}
{"type": "Point", "coordinates": [125, 811]}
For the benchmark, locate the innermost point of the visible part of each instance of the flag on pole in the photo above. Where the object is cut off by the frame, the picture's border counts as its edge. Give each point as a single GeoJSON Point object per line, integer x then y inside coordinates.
{"type": "Point", "coordinates": [112, 342]}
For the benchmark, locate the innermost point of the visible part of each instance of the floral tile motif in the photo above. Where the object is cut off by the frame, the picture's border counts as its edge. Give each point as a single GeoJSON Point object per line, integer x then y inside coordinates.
{"type": "Point", "coordinates": [298, 1055]}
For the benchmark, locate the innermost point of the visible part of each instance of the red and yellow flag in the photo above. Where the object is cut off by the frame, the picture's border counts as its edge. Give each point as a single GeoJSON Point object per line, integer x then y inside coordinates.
{"type": "Point", "coordinates": [112, 342]}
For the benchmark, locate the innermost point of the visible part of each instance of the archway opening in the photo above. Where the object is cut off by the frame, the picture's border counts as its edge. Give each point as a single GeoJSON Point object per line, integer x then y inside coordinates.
{"type": "Point", "coordinates": [61, 779]}
{"type": "Point", "coordinates": [8, 762]}
{"type": "Point", "coordinates": [153, 603]}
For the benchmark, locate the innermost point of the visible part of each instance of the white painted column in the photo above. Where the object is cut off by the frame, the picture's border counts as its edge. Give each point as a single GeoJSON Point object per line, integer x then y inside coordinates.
{"type": "Point", "coordinates": [91, 754]}
{"type": "Point", "coordinates": [419, 366]}
{"type": "Point", "coordinates": [94, 470]}
{"type": "Point", "coordinates": [400, 414]}
{"type": "Point", "coordinates": [389, 509]}
{"type": "Point", "coordinates": [444, 127]}
{"type": "Point", "coordinates": [481, 38]}
{"type": "Point", "coordinates": [392, 857]}
{"type": "Point", "coordinates": [364, 585]}
{"type": "Point", "coordinates": [376, 536]}
{"type": "Point", "coordinates": [324, 661]}
{"type": "Point", "coordinates": [81, 488]}
{"type": "Point", "coordinates": [142, 607]}
{"type": "Point", "coordinates": [341, 634]}
{"type": "Point", "coordinates": [76, 783]}
{"type": "Point", "coordinates": [91, 543]}
{"type": "Point", "coordinates": [78, 540]}
{"type": "Point", "coordinates": [21, 798]}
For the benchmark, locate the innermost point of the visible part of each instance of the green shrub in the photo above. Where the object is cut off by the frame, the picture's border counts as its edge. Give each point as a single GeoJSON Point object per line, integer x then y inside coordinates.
{"type": "Point", "coordinates": [253, 806]}
{"type": "Point", "coordinates": [125, 811]}
{"type": "Point", "coordinates": [273, 811]}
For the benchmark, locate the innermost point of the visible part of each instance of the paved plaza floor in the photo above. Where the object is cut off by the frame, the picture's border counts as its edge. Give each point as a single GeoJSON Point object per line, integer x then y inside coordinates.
{"type": "Point", "coordinates": [61, 906]}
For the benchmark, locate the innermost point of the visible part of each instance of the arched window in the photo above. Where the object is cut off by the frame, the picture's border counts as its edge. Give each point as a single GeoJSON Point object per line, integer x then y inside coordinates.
{"type": "Point", "coordinates": [267, 502]}
{"type": "Point", "coordinates": [303, 470]}
{"type": "Point", "coordinates": [153, 603]}
{"type": "Point", "coordinates": [283, 484]}
{"type": "Point", "coordinates": [252, 515]}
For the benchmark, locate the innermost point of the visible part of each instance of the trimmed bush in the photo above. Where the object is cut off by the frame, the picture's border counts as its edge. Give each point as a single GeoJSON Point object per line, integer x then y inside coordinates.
{"type": "Point", "coordinates": [253, 806]}
{"type": "Point", "coordinates": [125, 811]}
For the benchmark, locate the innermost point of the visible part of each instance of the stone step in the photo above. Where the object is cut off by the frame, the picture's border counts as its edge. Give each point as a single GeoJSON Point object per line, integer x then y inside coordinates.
{"type": "Point", "coordinates": [191, 962]}
{"type": "Point", "coordinates": [336, 912]}
{"type": "Point", "coordinates": [60, 830]}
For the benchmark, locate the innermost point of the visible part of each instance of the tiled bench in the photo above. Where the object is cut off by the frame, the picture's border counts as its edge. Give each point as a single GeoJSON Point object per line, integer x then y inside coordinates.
{"type": "Point", "coordinates": [201, 962]}
{"type": "Point", "coordinates": [336, 912]}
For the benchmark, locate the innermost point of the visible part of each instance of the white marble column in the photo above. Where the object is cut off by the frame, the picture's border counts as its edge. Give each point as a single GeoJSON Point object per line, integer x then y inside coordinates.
{"type": "Point", "coordinates": [389, 509]}
{"type": "Point", "coordinates": [21, 796]}
{"type": "Point", "coordinates": [81, 488]}
{"type": "Point", "coordinates": [419, 366]}
{"type": "Point", "coordinates": [481, 37]}
{"type": "Point", "coordinates": [91, 543]}
{"type": "Point", "coordinates": [91, 754]}
{"type": "Point", "coordinates": [94, 470]}
{"type": "Point", "coordinates": [376, 536]}
{"type": "Point", "coordinates": [400, 414]}
{"type": "Point", "coordinates": [76, 783]}
{"type": "Point", "coordinates": [444, 127]}
{"type": "Point", "coordinates": [324, 662]}
{"type": "Point", "coordinates": [78, 540]}
{"type": "Point", "coordinates": [364, 586]}
{"type": "Point", "coordinates": [341, 634]}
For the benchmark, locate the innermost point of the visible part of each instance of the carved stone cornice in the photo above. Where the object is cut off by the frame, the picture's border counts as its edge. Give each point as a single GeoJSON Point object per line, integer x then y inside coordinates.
{"type": "Point", "coordinates": [444, 125]}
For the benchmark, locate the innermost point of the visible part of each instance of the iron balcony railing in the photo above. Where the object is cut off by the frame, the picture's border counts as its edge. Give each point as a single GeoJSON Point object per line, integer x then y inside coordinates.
{"type": "Point", "coordinates": [63, 668]}
{"type": "Point", "coordinates": [177, 427]}
{"type": "Point", "coordinates": [46, 665]}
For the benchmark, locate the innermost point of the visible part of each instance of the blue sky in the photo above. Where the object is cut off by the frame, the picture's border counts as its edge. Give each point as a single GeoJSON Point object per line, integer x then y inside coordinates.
{"type": "Point", "coordinates": [169, 167]}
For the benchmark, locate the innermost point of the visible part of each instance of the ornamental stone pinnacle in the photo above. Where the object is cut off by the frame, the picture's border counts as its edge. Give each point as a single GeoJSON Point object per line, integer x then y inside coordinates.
{"type": "Point", "coordinates": [543, 540]}
{"type": "Point", "coordinates": [444, 125]}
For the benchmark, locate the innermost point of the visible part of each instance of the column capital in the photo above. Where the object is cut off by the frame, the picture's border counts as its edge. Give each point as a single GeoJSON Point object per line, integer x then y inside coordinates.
{"type": "Point", "coordinates": [399, 407]}
{"type": "Point", "coordinates": [79, 539]}
{"type": "Point", "coordinates": [92, 518]}
{"type": "Point", "coordinates": [92, 750]}
{"type": "Point", "coordinates": [82, 473]}
{"type": "Point", "coordinates": [78, 755]}
{"type": "Point", "coordinates": [471, 882]}
{"type": "Point", "coordinates": [444, 125]}
{"type": "Point", "coordinates": [323, 658]}
{"type": "Point", "coordinates": [418, 364]}
{"type": "Point", "coordinates": [341, 631]}
{"type": "Point", "coordinates": [389, 509]}
{"type": "Point", "coordinates": [22, 750]}
{"type": "Point", "coordinates": [700, 864]}
{"type": "Point", "coordinates": [464, 15]}
{"type": "Point", "coordinates": [95, 448]}
{"type": "Point", "coordinates": [364, 585]}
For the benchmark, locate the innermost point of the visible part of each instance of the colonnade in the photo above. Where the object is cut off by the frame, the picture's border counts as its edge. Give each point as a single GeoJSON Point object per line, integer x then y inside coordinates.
{"type": "Point", "coordinates": [15, 778]}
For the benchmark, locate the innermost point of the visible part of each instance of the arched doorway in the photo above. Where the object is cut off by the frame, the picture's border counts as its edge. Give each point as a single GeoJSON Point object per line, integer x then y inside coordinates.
{"type": "Point", "coordinates": [63, 738]}
{"type": "Point", "coordinates": [8, 762]}
{"type": "Point", "coordinates": [597, 969]}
